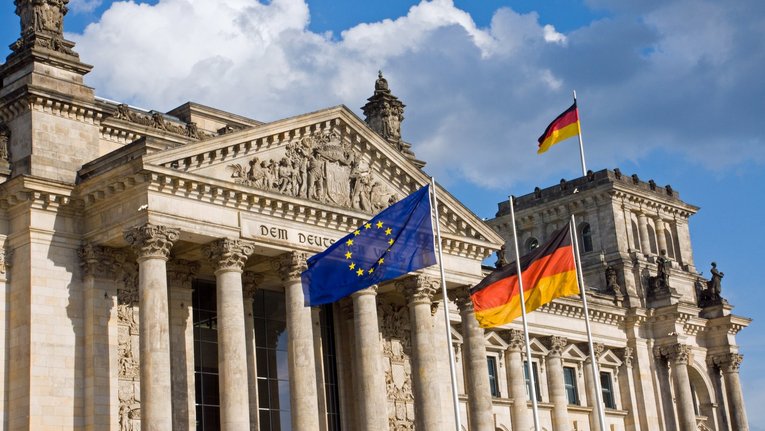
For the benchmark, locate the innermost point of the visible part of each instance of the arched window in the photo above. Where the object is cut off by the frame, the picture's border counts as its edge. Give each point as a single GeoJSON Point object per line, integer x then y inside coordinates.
{"type": "Point", "coordinates": [586, 235]}
{"type": "Point", "coordinates": [652, 239]}
{"type": "Point", "coordinates": [635, 236]}
{"type": "Point", "coordinates": [531, 244]}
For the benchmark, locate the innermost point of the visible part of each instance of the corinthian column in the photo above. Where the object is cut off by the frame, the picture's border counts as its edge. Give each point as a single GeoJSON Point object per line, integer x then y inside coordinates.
{"type": "Point", "coordinates": [556, 383]}
{"type": "Point", "coordinates": [480, 415]}
{"type": "Point", "coordinates": [300, 353]}
{"type": "Point", "coordinates": [729, 364]}
{"type": "Point", "coordinates": [373, 414]}
{"type": "Point", "coordinates": [520, 411]}
{"type": "Point", "coordinates": [250, 282]}
{"type": "Point", "coordinates": [152, 245]}
{"type": "Point", "coordinates": [661, 239]}
{"type": "Point", "coordinates": [180, 275]}
{"type": "Point", "coordinates": [645, 243]}
{"type": "Point", "coordinates": [419, 292]}
{"type": "Point", "coordinates": [678, 356]}
{"type": "Point", "coordinates": [228, 256]}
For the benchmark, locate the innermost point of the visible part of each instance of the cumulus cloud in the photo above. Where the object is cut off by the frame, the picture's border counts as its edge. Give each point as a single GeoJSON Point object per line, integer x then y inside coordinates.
{"type": "Point", "coordinates": [680, 76]}
{"type": "Point", "coordinates": [84, 6]}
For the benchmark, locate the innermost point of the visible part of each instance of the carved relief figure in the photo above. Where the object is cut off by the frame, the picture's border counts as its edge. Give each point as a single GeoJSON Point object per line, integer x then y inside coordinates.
{"type": "Point", "coordinates": [715, 284]}
{"type": "Point", "coordinates": [5, 137]}
{"type": "Point", "coordinates": [612, 285]}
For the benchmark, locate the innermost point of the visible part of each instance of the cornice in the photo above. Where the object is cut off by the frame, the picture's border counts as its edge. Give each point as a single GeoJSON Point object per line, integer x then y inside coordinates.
{"type": "Point", "coordinates": [30, 98]}
{"type": "Point", "coordinates": [574, 309]}
{"type": "Point", "coordinates": [40, 193]}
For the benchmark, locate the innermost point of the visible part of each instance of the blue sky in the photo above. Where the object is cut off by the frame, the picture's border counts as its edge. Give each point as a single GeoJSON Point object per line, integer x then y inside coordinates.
{"type": "Point", "coordinates": [670, 90]}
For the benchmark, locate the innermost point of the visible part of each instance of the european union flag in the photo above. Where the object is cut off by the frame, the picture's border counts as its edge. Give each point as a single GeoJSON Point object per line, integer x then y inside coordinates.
{"type": "Point", "coordinates": [394, 242]}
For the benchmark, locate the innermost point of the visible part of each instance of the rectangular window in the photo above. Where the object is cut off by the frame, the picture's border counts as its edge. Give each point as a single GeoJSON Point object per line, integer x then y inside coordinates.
{"type": "Point", "coordinates": [528, 382]}
{"type": "Point", "coordinates": [608, 390]}
{"type": "Point", "coordinates": [330, 367]}
{"type": "Point", "coordinates": [493, 378]}
{"type": "Point", "coordinates": [569, 379]}
{"type": "Point", "coordinates": [205, 317]}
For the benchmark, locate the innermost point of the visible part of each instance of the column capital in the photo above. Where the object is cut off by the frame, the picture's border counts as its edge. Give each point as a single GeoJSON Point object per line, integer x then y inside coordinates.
{"type": "Point", "coordinates": [418, 289]}
{"type": "Point", "coordinates": [556, 345]}
{"type": "Point", "coordinates": [461, 297]}
{"type": "Point", "coordinates": [679, 354]}
{"type": "Point", "coordinates": [290, 265]}
{"type": "Point", "coordinates": [181, 272]}
{"type": "Point", "coordinates": [626, 356]}
{"type": "Point", "coordinates": [515, 340]}
{"type": "Point", "coordinates": [228, 254]}
{"type": "Point", "coordinates": [152, 241]}
{"type": "Point", "coordinates": [371, 290]}
{"type": "Point", "coordinates": [96, 260]}
{"type": "Point", "coordinates": [728, 362]}
{"type": "Point", "coordinates": [250, 283]}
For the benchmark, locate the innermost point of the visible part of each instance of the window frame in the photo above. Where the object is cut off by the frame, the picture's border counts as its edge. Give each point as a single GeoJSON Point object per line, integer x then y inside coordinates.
{"type": "Point", "coordinates": [492, 365]}
{"type": "Point", "coordinates": [573, 386]}
{"type": "Point", "coordinates": [537, 385]}
{"type": "Point", "coordinates": [609, 377]}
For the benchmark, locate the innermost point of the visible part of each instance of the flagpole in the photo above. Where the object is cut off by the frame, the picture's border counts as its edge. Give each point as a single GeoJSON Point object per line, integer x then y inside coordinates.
{"type": "Point", "coordinates": [529, 368]}
{"type": "Point", "coordinates": [593, 361]}
{"type": "Point", "coordinates": [581, 145]}
{"type": "Point", "coordinates": [452, 366]}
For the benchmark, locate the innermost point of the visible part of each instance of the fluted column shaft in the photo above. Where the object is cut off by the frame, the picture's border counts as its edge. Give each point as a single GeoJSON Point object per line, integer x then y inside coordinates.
{"type": "Point", "coordinates": [520, 410]}
{"type": "Point", "coordinates": [480, 415]}
{"type": "Point", "coordinates": [304, 404]}
{"type": "Point", "coordinates": [678, 356]}
{"type": "Point", "coordinates": [661, 239]}
{"type": "Point", "coordinates": [419, 291]}
{"type": "Point", "coordinates": [152, 245]}
{"type": "Point", "coordinates": [180, 275]}
{"type": "Point", "coordinates": [373, 413]}
{"type": "Point", "coordinates": [645, 243]}
{"type": "Point", "coordinates": [228, 258]}
{"type": "Point", "coordinates": [556, 382]}
{"type": "Point", "coordinates": [729, 364]}
{"type": "Point", "coordinates": [250, 282]}
{"type": "Point", "coordinates": [592, 394]}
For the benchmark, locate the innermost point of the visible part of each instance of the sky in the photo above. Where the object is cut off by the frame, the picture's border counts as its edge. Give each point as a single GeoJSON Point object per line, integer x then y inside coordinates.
{"type": "Point", "coordinates": [669, 89]}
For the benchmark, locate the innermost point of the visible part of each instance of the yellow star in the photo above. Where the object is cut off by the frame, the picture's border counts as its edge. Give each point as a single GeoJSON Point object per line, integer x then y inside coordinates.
{"type": "Point", "coordinates": [356, 232]}
{"type": "Point", "coordinates": [371, 270]}
{"type": "Point", "coordinates": [390, 241]}
{"type": "Point", "coordinates": [381, 260]}
{"type": "Point", "coordinates": [348, 255]}
{"type": "Point", "coordinates": [349, 242]}
{"type": "Point", "coordinates": [388, 231]}
{"type": "Point", "coordinates": [367, 225]}
{"type": "Point", "coordinates": [379, 225]}
{"type": "Point", "coordinates": [352, 266]}
{"type": "Point", "coordinates": [360, 272]}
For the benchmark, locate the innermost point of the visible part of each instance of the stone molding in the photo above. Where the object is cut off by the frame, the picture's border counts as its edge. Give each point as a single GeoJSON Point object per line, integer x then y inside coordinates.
{"type": "Point", "coordinates": [152, 242]}
{"type": "Point", "coordinates": [250, 283]}
{"type": "Point", "coordinates": [418, 289]}
{"type": "Point", "coordinates": [728, 362]}
{"type": "Point", "coordinates": [6, 258]}
{"type": "Point", "coordinates": [158, 121]}
{"type": "Point", "coordinates": [461, 297]}
{"type": "Point", "coordinates": [290, 265]}
{"type": "Point", "coordinates": [182, 272]}
{"type": "Point", "coordinates": [515, 340]}
{"type": "Point", "coordinates": [228, 254]}
{"type": "Point", "coordinates": [679, 354]}
{"type": "Point", "coordinates": [626, 356]}
{"type": "Point", "coordinates": [556, 345]}
{"type": "Point", "coordinates": [97, 261]}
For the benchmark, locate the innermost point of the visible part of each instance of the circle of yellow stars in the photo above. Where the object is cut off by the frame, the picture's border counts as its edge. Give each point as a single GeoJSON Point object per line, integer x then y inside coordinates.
{"type": "Point", "coordinates": [352, 266]}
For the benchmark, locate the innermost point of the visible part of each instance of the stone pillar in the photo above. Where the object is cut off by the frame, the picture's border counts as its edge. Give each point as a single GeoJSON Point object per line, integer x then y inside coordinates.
{"type": "Point", "coordinates": [645, 243]}
{"type": "Point", "coordinates": [678, 356]}
{"type": "Point", "coordinates": [180, 275]}
{"type": "Point", "coordinates": [480, 415]}
{"type": "Point", "coordinates": [152, 246]}
{"type": "Point", "coordinates": [592, 385]}
{"type": "Point", "coordinates": [627, 389]}
{"type": "Point", "coordinates": [228, 257]}
{"type": "Point", "coordinates": [419, 291]}
{"type": "Point", "coordinates": [729, 364]}
{"type": "Point", "coordinates": [556, 382]}
{"type": "Point", "coordinates": [250, 282]}
{"type": "Point", "coordinates": [661, 238]}
{"type": "Point", "coordinates": [373, 412]}
{"type": "Point", "coordinates": [304, 403]}
{"type": "Point", "coordinates": [520, 410]}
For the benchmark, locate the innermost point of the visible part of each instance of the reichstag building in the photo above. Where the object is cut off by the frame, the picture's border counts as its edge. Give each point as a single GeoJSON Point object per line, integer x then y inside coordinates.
{"type": "Point", "coordinates": [150, 275]}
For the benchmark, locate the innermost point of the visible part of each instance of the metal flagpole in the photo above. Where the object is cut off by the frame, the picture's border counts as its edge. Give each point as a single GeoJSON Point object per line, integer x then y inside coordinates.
{"type": "Point", "coordinates": [581, 145]}
{"type": "Point", "coordinates": [452, 366]}
{"type": "Point", "coordinates": [529, 368]}
{"type": "Point", "coordinates": [593, 361]}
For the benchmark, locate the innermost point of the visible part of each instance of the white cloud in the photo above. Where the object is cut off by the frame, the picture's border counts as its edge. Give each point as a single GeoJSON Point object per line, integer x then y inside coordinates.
{"type": "Point", "coordinates": [84, 6]}
{"type": "Point", "coordinates": [678, 75]}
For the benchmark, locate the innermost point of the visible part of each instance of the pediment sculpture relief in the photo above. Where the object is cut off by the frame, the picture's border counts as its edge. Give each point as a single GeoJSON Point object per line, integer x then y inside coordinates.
{"type": "Point", "coordinates": [321, 167]}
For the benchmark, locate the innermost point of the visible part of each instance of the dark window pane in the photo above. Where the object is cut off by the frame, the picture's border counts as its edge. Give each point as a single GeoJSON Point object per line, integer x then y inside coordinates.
{"type": "Point", "coordinates": [265, 420]}
{"type": "Point", "coordinates": [263, 394]}
{"type": "Point", "coordinates": [493, 383]}
{"type": "Point", "coordinates": [569, 378]}
{"type": "Point", "coordinates": [528, 381]}
{"type": "Point", "coordinates": [608, 391]}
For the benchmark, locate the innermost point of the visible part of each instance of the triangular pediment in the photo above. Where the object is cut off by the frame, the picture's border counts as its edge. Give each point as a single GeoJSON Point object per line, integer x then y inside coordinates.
{"type": "Point", "coordinates": [328, 159]}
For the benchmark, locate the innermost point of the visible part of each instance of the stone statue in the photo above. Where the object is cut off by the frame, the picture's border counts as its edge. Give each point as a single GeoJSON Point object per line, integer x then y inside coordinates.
{"type": "Point", "coordinates": [501, 260]}
{"type": "Point", "coordinates": [5, 136]}
{"type": "Point", "coordinates": [42, 15]}
{"type": "Point", "coordinates": [714, 286]}
{"type": "Point", "coordinates": [612, 284]}
{"type": "Point", "coordinates": [660, 283]}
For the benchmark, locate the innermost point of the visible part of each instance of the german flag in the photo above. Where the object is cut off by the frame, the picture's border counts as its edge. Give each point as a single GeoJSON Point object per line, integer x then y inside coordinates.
{"type": "Point", "coordinates": [564, 127]}
{"type": "Point", "coordinates": [548, 272]}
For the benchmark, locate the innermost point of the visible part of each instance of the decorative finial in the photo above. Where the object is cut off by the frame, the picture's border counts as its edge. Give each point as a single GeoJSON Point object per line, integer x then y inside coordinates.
{"type": "Point", "coordinates": [42, 25]}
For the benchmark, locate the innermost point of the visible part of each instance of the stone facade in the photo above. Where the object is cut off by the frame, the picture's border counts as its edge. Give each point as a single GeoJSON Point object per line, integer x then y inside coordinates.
{"type": "Point", "coordinates": [138, 249]}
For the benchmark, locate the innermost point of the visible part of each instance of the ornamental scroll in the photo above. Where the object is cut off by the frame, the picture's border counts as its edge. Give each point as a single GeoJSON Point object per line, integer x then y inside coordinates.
{"type": "Point", "coordinates": [322, 167]}
{"type": "Point", "coordinates": [397, 343]}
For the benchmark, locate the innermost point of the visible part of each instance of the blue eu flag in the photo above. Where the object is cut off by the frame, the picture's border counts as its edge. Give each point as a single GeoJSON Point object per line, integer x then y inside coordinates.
{"type": "Point", "coordinates": [394, 242]}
